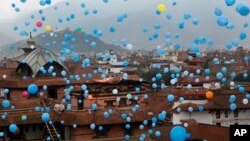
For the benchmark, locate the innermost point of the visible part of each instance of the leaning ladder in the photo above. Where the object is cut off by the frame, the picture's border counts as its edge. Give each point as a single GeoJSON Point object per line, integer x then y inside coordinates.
{"type": "Point", "coordinates": [47, 126]}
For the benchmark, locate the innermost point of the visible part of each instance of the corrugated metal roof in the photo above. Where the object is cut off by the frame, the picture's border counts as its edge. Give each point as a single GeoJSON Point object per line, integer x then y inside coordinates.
{"type": "Point", "coordinates": [39, 57]}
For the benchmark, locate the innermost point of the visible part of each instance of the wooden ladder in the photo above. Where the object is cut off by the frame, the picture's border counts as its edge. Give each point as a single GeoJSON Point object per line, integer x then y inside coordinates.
{"type": "Point", "coordinates": [52, 136]}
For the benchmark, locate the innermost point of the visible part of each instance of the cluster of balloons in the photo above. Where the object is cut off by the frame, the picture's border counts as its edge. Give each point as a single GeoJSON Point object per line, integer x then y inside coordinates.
{"type": "Point", "coordinates": [45, 2]}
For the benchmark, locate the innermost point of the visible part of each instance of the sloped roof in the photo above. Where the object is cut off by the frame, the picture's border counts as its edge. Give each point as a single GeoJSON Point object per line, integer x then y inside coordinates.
{"type": "Point", "coordinates": [39, 57]}
{"type": "Point", "coordinates": [19, 58]}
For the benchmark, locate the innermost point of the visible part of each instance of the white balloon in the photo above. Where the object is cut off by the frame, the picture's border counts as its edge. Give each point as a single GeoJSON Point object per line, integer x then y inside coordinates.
{"type": "Point", "coordinates": [245, 101]}
{"type": "Point", "coordinates": [217, 84]}
{"type": "Point", "coordinates": [115, 91]}
{"type": "Point", "coordinates": [129, 46]}
{"type": "Point", "coordinates": [172, 81]}
{"type": "Point", "coordinates": [231, 83]}
{"type": "Point", "coordinates": [185, 124]}
{"type": "Point", "coordinates": [4, 76]}
{"type": "Point", "coordinates": [51, 34]}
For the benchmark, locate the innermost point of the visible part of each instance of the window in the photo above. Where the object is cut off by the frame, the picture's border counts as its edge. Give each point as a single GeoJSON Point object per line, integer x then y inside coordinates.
{"type": "Point", "coordinates": [80, 103]}
{"type": "Point", "coordinates": [34, 127]}
{"type": "Point", "coordinates": [134, 102]}
{"type": "Point", "coordinates": [122, 102]}
{"type": "Point", "coordinates": [101, 133]}
{"type": "Point", "coordinates": [218, 124]}
{"type": "Point", "coordinates": [26, 128]}
{"type": "Point", "coordinates": [41, 127]}
{"type": "Point", "coordinates": [52, 93]}
{"type": "Point", "coordinates": [217, 114]}
{"type": "Point", "coordinates": [129, 131]}
{"type": "Point", "coordinates": [109, 103]}
{"type": "Point", "coordinates": [236, 113]}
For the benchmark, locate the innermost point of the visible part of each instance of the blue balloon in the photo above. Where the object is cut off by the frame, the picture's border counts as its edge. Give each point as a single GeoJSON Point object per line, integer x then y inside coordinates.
{"type": "Point", "coordinates": [235, 42]}
{"type": "Point", "coordinates": [170, 98]}
{"type": "Point", "coordinates": [233, 106]}
{"type": "Point", "coordinates": [229, 2]}
{"type": "Point", "coordinates": [246, 58]}
{"type": "Point", "coordinates": [45, 117]}
{"type": "Point", "coordinates": [233, 75]}
{"type": "Point", "coordinates": [94, 106]}
{"type": "Point", "coordinates": [13, 5]}
{"type": "Point", "coordinates": [243, 36]}
{"type": "Point", "coordinates": [13, 128]}
{"type": "Point", "coordinates": [190, 109]}
{"type": "Point", "coordinates": [187, 16]}
{"type": "Point", "coordinates": [33, 89]}
{"type": "Point", "coordinates": [127, 137]}
{"type": "Point", "coordinates": [218, 11]}
{"type": "Point", "coordinates": [245, 25]}
{"type": "Point", "coordinates": [17, 9]}
{"type": "Point", "coordinates": [241, 89]}
{"type": "Point", "coordinates": [195, 21]}
{"type": "Point", "coordinates": [157, 133]}
{"type": "Point", "coordinates": [42, 2]}
{"type": "Point", "coordinates": [230, 26]}
{"type": "Point", "coordinates": [201, 108]}
{"type": "Point", "coordinates": [92, 126]}
{"type": "Point", "coordinates": [242, 9]}
{"type": "Point", "coordinates": [222, 20]}
{"type": "Point", "coordinates": [106, 115]}
{"type": "Point", "coordinates": [178, 133]}
{"type": "Point", "coordinates": [181, 24]}
{"type": "Point", "coordinates": [5, 103]}
{"type": "Point", "coordinates": [169, 16]}
{"type": "Point", "coordinates": [229, 45]}
{"type": "Point", "coordinates": [219, 75]}
{"type": "Point", "coordinates": [223, 69]}
{"type": "Point", "coordinates": [232, 98]}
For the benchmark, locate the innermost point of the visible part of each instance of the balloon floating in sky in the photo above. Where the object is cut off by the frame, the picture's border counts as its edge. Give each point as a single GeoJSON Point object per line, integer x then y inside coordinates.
{"type": "Point", "coordinates": [242, 9]}
{"type": "Point", "coordinates": [218, 11]}
{"type": "Point", "coordinates": [222, 20]}
{"type": "Point", "coordinates": [45, 2]}
{"type": "Point", "coordinates": [23, 1]}
{"type": "Point", "coordinates": [48, 28]}
{"type": "Point", "coordinates": [39, 24]}
{"type": "Point", "coordinates": [229, 2]}
{"type": "Point", "coordinates": [161, 8]}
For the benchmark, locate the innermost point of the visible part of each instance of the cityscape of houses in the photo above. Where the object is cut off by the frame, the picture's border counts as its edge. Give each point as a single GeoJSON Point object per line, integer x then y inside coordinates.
{"type": "Point", "coordinates": [123, 95]}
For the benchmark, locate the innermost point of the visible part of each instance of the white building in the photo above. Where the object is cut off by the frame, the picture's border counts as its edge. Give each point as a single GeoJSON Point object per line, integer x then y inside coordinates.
{"type": "Point", "coordinates": [215, 112]}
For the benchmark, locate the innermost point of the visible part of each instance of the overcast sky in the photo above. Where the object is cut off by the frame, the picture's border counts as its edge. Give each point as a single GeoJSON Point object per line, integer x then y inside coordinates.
{"type": "Point", "coordinates": [201, 9]}
{"type": "Point", "coordinates": [30, 5]}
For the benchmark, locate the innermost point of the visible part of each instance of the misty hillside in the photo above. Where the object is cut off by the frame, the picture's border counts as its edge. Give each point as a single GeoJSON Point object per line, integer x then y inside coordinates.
{"type": "Point", "coordinates": [54, 43]}
{"type": "Point", "coordinates": [5, 39]}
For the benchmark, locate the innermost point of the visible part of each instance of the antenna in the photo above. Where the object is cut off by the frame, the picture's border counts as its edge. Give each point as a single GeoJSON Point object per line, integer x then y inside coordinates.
{"type": "Point", "coordinates": [30, 34]}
